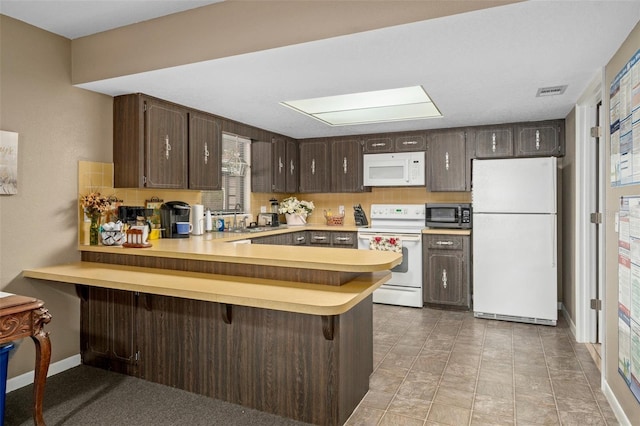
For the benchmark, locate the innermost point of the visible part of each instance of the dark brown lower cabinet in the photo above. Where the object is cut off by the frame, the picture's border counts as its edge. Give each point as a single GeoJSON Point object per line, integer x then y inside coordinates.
{"type": "Point", "coordinates": [446, 271]}
{"type": "Point", "coordinates": [310, 368]}
{"type": "Point", "coordinates": [108, 329]}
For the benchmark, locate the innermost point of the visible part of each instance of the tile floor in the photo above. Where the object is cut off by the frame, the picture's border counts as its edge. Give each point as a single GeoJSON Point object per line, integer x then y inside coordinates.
{"type": "Point", "coordinates": [436, 367]}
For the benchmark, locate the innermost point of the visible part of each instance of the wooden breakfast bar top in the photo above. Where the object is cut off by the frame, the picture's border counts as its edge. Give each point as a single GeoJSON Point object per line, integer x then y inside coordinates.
{"type": "Point", "coordinates": [314, 299]}
{"type": "Point", "coordinates": [208, 248]}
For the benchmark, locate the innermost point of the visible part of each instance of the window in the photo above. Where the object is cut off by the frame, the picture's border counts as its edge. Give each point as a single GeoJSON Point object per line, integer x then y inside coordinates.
{"type": "Point", "coordinates": [236, 177]}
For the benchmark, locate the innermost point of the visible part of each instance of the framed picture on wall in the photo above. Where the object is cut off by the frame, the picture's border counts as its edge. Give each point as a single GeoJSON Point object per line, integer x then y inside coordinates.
{"type": "Point", "coordinates": [8, 162]}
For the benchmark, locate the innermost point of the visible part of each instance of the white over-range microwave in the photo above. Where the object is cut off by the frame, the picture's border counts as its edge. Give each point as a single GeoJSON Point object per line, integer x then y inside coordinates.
{"type": "Point", "coordinates": [394, 169]}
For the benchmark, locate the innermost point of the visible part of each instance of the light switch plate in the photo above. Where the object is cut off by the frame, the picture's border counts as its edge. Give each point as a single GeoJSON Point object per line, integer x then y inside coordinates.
{"type": "Point", "coordinates": [263, 209]}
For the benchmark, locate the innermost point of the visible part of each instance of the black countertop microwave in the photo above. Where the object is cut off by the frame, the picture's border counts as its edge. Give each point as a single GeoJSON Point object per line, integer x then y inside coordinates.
{"type": "Point", "coordinates": [448, 215]}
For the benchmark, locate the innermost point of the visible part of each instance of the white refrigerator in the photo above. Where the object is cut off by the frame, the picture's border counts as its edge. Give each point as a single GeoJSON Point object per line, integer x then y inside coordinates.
{"type": "Point", "coordinates": [515, 239]}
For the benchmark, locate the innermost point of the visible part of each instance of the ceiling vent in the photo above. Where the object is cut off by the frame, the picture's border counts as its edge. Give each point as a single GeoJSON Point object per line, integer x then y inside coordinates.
{"type": "Point", "coordinates": [551, 91]}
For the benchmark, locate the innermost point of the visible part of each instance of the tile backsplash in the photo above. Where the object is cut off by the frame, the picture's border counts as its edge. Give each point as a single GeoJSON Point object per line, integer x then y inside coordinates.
{"type": "Point", "coordinates": [95, 176]}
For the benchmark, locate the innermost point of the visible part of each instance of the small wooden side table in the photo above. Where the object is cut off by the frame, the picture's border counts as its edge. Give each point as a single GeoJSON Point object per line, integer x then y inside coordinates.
{"type": "Point", "coordinates": [22, 316]}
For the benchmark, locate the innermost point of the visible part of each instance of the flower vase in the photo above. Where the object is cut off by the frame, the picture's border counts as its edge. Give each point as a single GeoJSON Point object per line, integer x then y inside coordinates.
{"type": "Point", "coordinates": [295, 219]}
{"type": "Point", "coordinates": [94, 230]}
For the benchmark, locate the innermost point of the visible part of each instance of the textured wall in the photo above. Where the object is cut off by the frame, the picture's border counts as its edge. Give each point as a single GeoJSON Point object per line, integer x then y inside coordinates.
{"type": "Point", "coordinates": [58, 125]}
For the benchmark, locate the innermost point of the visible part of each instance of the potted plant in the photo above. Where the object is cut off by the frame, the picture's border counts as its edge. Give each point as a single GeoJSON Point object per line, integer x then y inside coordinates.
{"type": "Point", "coordinates": [296, 211]}
{"type": "Point", "coordinates": [94, 205]}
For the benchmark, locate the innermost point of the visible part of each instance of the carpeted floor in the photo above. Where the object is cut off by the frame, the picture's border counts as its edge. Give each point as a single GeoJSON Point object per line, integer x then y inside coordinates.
{"type": "Point", "coordinates": [90, 396]}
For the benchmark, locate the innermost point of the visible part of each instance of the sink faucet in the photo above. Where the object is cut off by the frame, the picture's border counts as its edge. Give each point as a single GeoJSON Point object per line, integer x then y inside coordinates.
{"type": "Point", "coordinates": [235, 214]}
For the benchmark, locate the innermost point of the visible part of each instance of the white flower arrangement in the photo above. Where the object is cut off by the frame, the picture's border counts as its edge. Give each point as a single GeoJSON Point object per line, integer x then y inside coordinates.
{"type": "Point", "coordinates": [292, 205]}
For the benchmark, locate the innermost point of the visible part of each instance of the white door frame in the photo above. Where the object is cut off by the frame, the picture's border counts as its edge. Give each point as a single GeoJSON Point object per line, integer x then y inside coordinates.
{"type": "Point", "coordinates": [585, 267]}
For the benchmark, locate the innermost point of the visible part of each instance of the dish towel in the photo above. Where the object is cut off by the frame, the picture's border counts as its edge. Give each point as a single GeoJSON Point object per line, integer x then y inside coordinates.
{"type": "Point", "coordinates": [381, 243]}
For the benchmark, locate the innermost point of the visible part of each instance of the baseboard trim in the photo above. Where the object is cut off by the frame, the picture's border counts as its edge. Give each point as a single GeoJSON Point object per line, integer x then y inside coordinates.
{"type": "Point", "coordinates": [26, 379]}
{"type": "Point", "coordinates": [615, 406]}
{"type": "Point", "coordinates": [567, 317]}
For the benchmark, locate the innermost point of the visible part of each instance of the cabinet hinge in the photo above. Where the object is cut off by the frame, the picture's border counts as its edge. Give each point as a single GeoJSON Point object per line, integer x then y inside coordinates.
{"type": "Point", "coordinates": [596, 304]}
{"type": "Point", "coordinates": [596, 132]}
{"type": "Point", "coordinates": [596, 218]}
{"type": "Point", "coordinates": [137, 356]}
{"type": "Point", "coordinates": [144, 106]}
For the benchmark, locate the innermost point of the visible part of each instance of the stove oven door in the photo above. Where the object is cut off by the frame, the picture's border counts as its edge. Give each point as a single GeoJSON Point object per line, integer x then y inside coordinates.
{"type": "Point", "coordinates": [405, 286]}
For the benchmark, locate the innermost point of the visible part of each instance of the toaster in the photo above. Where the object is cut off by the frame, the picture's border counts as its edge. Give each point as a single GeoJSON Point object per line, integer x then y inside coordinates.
{"type": "Point", "coordinates": [268, 219]}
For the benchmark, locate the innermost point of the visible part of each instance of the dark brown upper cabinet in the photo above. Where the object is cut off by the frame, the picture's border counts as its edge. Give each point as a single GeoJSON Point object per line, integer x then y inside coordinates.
{"type": "Point", "coordinates": [292, 165]}
{"type": "Point", "coordinates": [205, 152]}
{"type": "Point", "coordinates": [346, 165]}
{"type": "Point", "coordinates": [447, 162]}
{"type": "Point", "coordinates": [374, 145]}
{"type": "Point", "coordinates": [540, 139]}
{"type": "Point", "coordinates": [274, 165]}
{"type": "Point", "coordinates": [149, 143]}
{"type": "Point", "coordinates": [493, 141]}
{"type": "Point", "coordinates": [410, 142]}
{"type": "Point", "coordinates": [395, 142]}
{"type": "Point", "coordinates": [315, 167]}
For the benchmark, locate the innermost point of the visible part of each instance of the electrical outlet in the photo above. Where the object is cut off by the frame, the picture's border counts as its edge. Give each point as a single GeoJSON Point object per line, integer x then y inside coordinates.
{"type": "Point", "coordinates": [263, 209]}
{"type": "Point", "coordinates": [341, 209]}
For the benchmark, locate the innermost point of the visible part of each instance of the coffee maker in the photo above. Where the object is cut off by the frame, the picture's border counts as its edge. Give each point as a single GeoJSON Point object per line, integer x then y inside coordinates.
{"type": "Point", "coordinates": [134, 215]}
{"type": "Point", "coordinates": [172, 212]}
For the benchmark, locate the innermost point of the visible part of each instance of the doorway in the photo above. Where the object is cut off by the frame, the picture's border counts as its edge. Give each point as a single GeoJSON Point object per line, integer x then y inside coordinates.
{"type": "Point", "coordinates": [589, 187]}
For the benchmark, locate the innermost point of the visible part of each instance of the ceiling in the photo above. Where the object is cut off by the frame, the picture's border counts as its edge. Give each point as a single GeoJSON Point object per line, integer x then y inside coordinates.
{"type": "Point", "coordinates": [480, 67]}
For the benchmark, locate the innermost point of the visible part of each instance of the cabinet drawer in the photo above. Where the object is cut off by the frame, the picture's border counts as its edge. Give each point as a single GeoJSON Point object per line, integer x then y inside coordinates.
{"type": "Point", "coordinates": [319, 238]}
{"type": "Point", "coordinates": [444, 242]}
{"type": "Point", "coordinates": [299, 239]}
{"type": "Point", "coordinates": [343, 239]}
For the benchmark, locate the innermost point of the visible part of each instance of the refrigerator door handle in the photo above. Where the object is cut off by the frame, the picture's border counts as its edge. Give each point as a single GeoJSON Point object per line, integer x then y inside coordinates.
{"type": "Point", "coordinates": [554, 240]}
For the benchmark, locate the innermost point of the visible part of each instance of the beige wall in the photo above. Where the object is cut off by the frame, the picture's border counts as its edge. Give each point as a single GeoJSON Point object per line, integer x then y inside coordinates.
{"type": "Point", "coordinates": [568, 236]}
{"type": "Point", "coordinates": [57, 125]}
{"type": "Point", "coordinates": [612, 196]}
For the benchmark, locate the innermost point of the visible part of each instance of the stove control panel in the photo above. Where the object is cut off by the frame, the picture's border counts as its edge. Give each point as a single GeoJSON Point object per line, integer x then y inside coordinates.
{"type": "Point", "coordinates": [398, 211]}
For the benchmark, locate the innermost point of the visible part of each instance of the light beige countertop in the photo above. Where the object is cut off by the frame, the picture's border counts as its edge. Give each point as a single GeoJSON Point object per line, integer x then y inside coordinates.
{"type": "Point", "coordinates": [215, 246]}
{"type": "Point", "coordinates": [442, 231]}
{"type": "Point", "coordinates": [264, 293]}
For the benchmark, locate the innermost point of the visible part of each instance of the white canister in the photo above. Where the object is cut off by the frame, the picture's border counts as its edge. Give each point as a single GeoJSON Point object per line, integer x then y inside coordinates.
{"type": "Point", "coordinates": [197, 219]}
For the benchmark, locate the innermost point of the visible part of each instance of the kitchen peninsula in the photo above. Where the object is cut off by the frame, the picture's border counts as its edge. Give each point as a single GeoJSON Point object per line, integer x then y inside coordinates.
{"type": "Point", "coordinates": [282, 329]}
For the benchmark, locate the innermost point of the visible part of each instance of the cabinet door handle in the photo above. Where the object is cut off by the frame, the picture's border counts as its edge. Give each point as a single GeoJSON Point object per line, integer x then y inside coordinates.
{"type": "Point", "coordinates": [493, 142]}
{"type": "Point", "coordinates": [292, 167]}
{"type": "Point", "coordinates": [410, 143]}
{"type": "Point", "coordinates": [300, 239]}
{"type": "Point", "coordinates": [313, 166]}
{"type": "Point", "coordinates": [444, 243]}
{"type": "Point", "coordinates": [280, 165]}
{"type": "Point", "coordinates": [206, 153]}
{"type": "Point", "coordinates": [446, 161]}
{"type": "Point", "coordinates": [344, 165]}
{"type": "Point", "coordinates": [167, 146]}
{"type": "Point", "coordinates": [537, 140]}
{"type": "Point", "coordinates": [318, 238]}
{"type": "Point", "coordinates": [444, 278]}
{"type": "Point", "coordinates": [377, 144]}
{"type": "Point", "coordinates": [343, 239]}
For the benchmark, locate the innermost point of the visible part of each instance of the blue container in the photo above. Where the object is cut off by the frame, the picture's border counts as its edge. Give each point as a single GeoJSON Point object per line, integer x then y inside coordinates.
{"type": "Point", "coordinates": [4, 361]}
